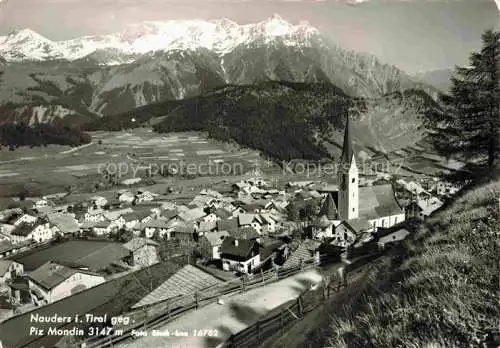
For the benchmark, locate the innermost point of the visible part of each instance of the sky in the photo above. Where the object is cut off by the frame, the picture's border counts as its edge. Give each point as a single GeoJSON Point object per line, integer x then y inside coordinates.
{"type": "Point", "coordinates": [415, 35]}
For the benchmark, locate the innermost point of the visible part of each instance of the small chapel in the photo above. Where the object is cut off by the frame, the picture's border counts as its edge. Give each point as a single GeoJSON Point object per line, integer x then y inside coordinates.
{"type": "Point", "coordinates": [350, 212]}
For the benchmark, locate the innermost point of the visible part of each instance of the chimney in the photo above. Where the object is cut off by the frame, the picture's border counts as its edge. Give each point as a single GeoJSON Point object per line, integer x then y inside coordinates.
{"type": "Point", "coordinates": [235, 242]}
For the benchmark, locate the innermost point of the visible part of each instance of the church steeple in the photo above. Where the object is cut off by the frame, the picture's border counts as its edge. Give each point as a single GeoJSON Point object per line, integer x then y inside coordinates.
{"type": "Point", "coordinates": [329, 209]}
{"type": "Point", "coordinates": [348, 202]}
{"type": "Point", "coordinates": [347, 149]}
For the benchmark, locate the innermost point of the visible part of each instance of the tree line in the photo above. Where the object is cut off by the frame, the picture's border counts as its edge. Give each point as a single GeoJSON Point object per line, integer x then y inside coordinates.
{"type": "Point", "coordinates": [15, 135]}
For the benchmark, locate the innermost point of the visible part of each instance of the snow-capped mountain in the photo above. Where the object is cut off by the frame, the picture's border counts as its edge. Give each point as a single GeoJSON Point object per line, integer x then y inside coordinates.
{"type": "Point", "coordinates": [221, 36]}
{"type": "Point", "coordinates": [94, 76]}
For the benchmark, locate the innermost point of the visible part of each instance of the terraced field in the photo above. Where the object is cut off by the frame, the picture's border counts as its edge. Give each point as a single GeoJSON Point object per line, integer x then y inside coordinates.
{"type": "Point", "coordinates": [136, 150]}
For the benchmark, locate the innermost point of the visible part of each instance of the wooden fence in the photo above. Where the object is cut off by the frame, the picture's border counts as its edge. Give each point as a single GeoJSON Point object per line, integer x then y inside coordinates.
{"type": "Point", "coordinates": [160, 313]}
{"type": "Point", "coordinates": [277, 323]}
{"type": "Point", "coordinates": [306, 302]}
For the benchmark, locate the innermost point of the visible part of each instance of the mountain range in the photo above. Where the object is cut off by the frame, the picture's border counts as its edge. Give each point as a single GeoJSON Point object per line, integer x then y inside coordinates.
{"type": "Point", "coordinates": [84, 79]}
{"type": "Point", "coordinates": [440, 78]}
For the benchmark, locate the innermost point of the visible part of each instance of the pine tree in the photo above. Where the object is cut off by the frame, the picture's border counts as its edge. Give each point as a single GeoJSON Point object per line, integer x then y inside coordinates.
{"type": "Point", "coordinates": [468, 127]}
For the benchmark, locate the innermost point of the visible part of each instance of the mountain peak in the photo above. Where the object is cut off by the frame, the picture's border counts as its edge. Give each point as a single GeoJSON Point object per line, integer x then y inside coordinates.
{"type": "Point", "coordinates": [221, 35]}
{"type": "Point", "coordinates": [25, 34]}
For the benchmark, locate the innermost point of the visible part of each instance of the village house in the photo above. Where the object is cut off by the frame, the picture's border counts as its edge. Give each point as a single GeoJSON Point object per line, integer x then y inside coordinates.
{"type": "Point", "coordinates": [227, 225]}
{"type": "Point", "coordinates": [99, 228]}
{"type": "Point", "coordinates": [210, 244]}
{"type": "Point", "coordinates": [251, 220]}
{"type": "Point", "coordinates": [94, 215]}
{"type": "Point", "coordinates": [98, 202]}
{"type": "Point", "coordinates": [349, 231]}
{"type": "Point", "coordinates": [117, 217]}
{"type": "Point", "coordinates": [9, 270]}
{"type": "Point", "coordinates": [444, 188]}
{"type": "Point", "coordinates": [186, 280]}
{"type": "Point", "coordinates": [192, 215]}
{"type": "Point", "coordinates": [145, 196]}
{"type": "Point", "coordinates": [155, 226]}
{"type": "Point", "coordinates": [126, 197]}
{"type": "Point", "coordinates": [136, 217]}
{"type": "Point", "coordinates": [25, 219]}
{"type": "Point", "coordinates": [38, 233]}
{"type": "Point", "coordinates": [210, 218]}
{"type": "Point", "coordinates": [42, 203]}
{"type": "Point", "coordinates": [307, 250]}
{"type": "Point", "coordinates": [206, 226]}
{"type": "Point", "coordinates": [65, 224]}
{"type": "Point", "coordinates": [429, 205]}
{"type": "Point", "coordinates": [53, 281]}
{"type": "Point", "coordinates": [388, 236]}
{"type": "Point", "coordinates": [10, 214]}
{"type": "Point", "coordinates": [222, 214]}
{"type": "Point", "coordinates": [271, 223]}
{"type": "Point", "coordinates": [143, 252]}
{"type": "Point", "coordinates": [240, 255]}
{"type": "Point", "coordinates": [272, 252]}
{"type": "Point", "coordinates": [7, 248]}
{"type": "Point", "coordinates": [414, 211]}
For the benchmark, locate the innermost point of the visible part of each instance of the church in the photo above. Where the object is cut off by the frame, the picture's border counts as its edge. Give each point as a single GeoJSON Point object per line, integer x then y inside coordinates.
{"type": "Point", "coordinates": [353, 210]}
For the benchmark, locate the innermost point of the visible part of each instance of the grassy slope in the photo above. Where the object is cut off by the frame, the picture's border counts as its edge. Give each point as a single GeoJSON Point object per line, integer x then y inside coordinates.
{"type": "Point", "coordinates": [440, 289]}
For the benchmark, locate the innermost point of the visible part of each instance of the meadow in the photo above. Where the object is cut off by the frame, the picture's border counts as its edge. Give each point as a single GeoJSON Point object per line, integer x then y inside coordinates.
{"type": "Point", "coordinates": [53, 168]}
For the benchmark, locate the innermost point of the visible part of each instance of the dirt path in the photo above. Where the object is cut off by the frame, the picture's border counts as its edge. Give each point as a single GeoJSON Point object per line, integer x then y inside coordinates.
{"type": "Point", "coordinates": [237, 313]}
{"type": "Point", "coordinates": [306, 332]}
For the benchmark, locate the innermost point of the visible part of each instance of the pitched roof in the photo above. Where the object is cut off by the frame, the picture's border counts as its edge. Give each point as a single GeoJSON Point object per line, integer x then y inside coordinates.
{"type": "Point", "coordinates": [222, 213]}
{"type": "Point", "coordinates": [138, 242]}
{"type": "Point", "coordinates": [115, 214]}
{"type": "Point", "coordinates": [170, 214]}
{"type": "Point", "coordinates": [244, 233]}
{"type": "Point", "coordinates": [23, 230]}
{"type": "Point", "coordinates": [95, 255]}
{"type": "Point", "coordinates": [186, 280]}
{"type": "Point", "coordinates": [137, 214]}
{"type": "Point", "coordinates": [206, 226]}
{"type": "Point", "coordinates": [5, 245]}
{"type": "Point", "coordinates": [377, 201]}
{"type": "Point", "coordinates": [359, 224]}
{"type": "Point", "coordinates": [305, 251]}
{"type": "Point", "coordinates": [192, 214]}
{"type": "Point", "coordinates": [216, 238]}
{"type": "Point", "coordinates": [329, 208]}
{"type": "Point", "coordinates": [155, 223]}
{"type": "Point", "coordinates": [95, 224]}
{"type": "Point", "coordinates": [51, 274]}
{"type": "Point", "coordinates": [242, 250]}
{"type": "Point", "coordinates": [4, 266]}
{"type": "Point", "coordinates": [113, 297]}
{"type": "Point", "coordinates": [180, 226]}
{"type": "Point", "coordinates": [227, 225]}
{"type": "Point", "coordinates": [323, 222]}
{"type": "Point", "coordinates": [246, 219]}
{"type": "Point", "coordinates": [347, 148]}
{"type": "Point", "coordinates": [65, 223]}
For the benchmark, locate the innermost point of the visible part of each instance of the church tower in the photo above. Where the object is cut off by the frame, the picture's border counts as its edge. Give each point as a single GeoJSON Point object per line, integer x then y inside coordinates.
{"type": "Point", "coordinates": [348, 199]}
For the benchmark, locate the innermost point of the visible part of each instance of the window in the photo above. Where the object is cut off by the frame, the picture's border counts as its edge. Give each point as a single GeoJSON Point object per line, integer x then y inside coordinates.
{"type": "Point", "coordinates": [396, 219]}
{"type": "Point", "coordinates": [353, 180]}
{"type": "Point", "coordinates": [353, 209]}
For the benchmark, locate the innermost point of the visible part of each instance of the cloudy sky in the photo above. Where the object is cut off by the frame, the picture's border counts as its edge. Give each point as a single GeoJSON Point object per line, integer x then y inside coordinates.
{"type": "Point", "coordinates": [412, 34]}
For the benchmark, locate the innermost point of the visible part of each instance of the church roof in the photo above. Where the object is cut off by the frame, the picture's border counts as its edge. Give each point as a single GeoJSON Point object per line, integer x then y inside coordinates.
{"type": "Point", "coordinates": [329, 208]}
{"type": "Point", "coordinates": [347, 148]}
{"type": "Point", "coordinates": [377, 201]}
